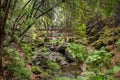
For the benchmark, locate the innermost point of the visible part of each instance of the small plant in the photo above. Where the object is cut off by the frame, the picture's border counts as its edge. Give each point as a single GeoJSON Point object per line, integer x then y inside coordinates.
{"type": "Point", "coordinates": [77, 51]}
{"type": "Point", "coordinates": [101, 77]}
{"type": "Point", "coordinates": [63, 78]}
{"type": "Point", "coordinates": [28, 51]}
{"type": "Point", "coordinates": [53, 65]}
{"type": "Point", "coordinates": [17, 65]}
{"type": "Point", "coordinates": [118, 42]}
{"type": "Point", "coordinates": [36, 70]}
{"type": "Point", "coordinates": [116, 69]}
{"type": "Point", "coordinates": [43, 49]}
{"type": "Point", "coordinates": [99, 58]}
{"type": "Point", "coordinates": [49, 71]}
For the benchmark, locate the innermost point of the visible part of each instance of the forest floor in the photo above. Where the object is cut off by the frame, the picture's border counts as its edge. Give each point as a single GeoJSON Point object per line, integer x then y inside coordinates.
{"type": "Point", "coordinates": [49, 64]}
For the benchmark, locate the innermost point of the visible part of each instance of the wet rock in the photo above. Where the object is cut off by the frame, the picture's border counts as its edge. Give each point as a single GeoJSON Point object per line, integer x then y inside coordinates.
{"type": "Point", "coordinates": [57, 57]}
{"type": "Point", "coordinates": [87, 74]}
{"type": "Point", "coordinates": [41, 44]}
{"type": "Point", "coordinates": [67, 74]}
{"type": "Point", "coordinates": [40, 60]}
{"type": "Point", "coordinates": [68, 56]}
{"type": "Point", "coordinates": [62, 49]}
{"type": "Point", "coordinates": [52, 48]}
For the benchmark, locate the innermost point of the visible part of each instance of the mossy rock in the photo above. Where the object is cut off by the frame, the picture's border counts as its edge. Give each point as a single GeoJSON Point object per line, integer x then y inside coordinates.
{"type": "Point", "coordinates": [49, 71]}
{"type": "Point", "coordinates": [42, 76]}
{"type": "Point", "coordinates": [36, 70]}
{"type": "Point", "coordinates": [109, 72]}
{"type": "Point", "coordinates": [53, 65]}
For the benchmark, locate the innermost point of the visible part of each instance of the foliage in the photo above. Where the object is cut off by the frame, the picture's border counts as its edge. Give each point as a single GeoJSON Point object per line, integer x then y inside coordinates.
{"type": "Point", "coordinates": [80, 30]}
{"type": "Point", "coordinates": [57, 41]}
{"type": "Point", "coordinates": [98, 77]}
{"type": "Point", "coordinates": [116, 68]}
{"type": "Point", "coordinates": [77, 51]}
{"type": "Point", "coordinates": [118, 42]}
{"type": "Point", "coordinates": [17, 65]}
{"type": "Point", "coordinates": [36, 70]}
{"type": "Point", "coordinates": [27, 50]}
{"type": "Point", "coordinates": [73, 14]}
{"type": "Point", "coordinates": [102, 77]}
{"type": "Point", "coordinates": [99, 58]}
{"type": "Point", "coordinates": [43, 49]}
{"type": "Point", "coordinates": [63, 78]}
{"type": "Point", "coordinates": [106, 36]}
{"type": "Point", "coordinates": [53, 65]}
{"type": "Point", "coordinates": [49, 71]}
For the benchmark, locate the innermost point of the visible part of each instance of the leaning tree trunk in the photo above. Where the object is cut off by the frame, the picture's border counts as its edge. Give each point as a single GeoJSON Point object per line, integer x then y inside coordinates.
{"type": "Point", "coordinates": [4, 10]}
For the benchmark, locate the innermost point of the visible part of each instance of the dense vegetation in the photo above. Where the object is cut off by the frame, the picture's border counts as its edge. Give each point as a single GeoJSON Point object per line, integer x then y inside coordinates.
{"type": "Point", "coordinates": [59, 39]}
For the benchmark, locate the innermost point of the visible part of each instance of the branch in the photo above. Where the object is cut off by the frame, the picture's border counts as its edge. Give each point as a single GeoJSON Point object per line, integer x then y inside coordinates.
{"type": "Point", "coordinates": [47, 11]}
{"type": "Point", "coordinates": [20, 16]}
{"type": "Point", "coordinates": [32, 24]}
{"type": "Point", "coordinates": [22, 10]}
{"type": "Point", "coordinates": [39, 7]}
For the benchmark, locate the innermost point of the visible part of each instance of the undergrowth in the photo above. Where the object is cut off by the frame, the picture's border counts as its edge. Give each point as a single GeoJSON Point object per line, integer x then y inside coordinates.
{"type": "Point", "coordinates": [17, 65]}
{"type": "Point", "coordinates": [77, 51]}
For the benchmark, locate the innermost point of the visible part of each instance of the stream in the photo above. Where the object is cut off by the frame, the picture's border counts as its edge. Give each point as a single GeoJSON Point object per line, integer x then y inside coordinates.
{"type": "Point", "coordinates": [69, 67]}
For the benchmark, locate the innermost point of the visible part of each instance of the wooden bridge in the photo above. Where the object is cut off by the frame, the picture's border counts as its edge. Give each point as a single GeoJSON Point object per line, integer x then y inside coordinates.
{"type": "Point", "coordinates": [53, 33]}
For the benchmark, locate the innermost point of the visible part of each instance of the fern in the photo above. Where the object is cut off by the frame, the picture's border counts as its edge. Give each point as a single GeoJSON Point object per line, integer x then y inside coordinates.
{"type": "Point", "coordinates": [77, 51]}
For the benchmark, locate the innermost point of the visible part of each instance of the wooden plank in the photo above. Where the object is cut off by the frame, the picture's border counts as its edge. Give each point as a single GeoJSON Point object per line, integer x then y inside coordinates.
{"type": "Point", "coordinates": [54, 29]}
{"type": "Point", "coordinates": [57, 37]}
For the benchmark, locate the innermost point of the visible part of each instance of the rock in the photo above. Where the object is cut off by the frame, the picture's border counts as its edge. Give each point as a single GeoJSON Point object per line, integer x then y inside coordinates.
{"type": "Point", "coordinates": [67, 74]}
{"type": "Point", "coordinates": [57, 57]}
{"type": "Point", "coordinates": [87, 74]}
{"type": "Point", "coordinates": [52, 48]}
{"type": "Point", "coordinates": [68, 56]}
{"type": "Point", "coordinates": [40, 60]}
{"type": "Point", "coordinates": [41, 44]}
{"type": "Point", "coordinates": [62, 49]}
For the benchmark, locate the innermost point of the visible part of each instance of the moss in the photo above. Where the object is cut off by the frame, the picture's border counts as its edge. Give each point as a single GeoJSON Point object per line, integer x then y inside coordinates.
{"type": "Point", "coordinates": [109, 72]}
{"type": "Point", "coordinates": [53, 65]}
{"type": "Point", "coordinates": [42, 76]}
{"type": "Point", "coordinates": [36, 70]}
{"type": "Point", "coordinates": [49, 71]}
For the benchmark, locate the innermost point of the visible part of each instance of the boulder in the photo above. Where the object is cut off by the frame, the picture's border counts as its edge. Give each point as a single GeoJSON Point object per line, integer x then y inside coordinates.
{"type": "Point", "coordinates": [62, 49]}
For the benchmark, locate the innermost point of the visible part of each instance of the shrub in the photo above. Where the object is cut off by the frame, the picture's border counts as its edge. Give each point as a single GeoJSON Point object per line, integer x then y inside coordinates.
{"type": "Point", "coordinates": [77, 51]}
{"type": "Point", "coordinates": [17, 65]}
{"type": "Point", "coordinates": [99, 58]}
{"type": "Point", "coordinates": [28, 51]}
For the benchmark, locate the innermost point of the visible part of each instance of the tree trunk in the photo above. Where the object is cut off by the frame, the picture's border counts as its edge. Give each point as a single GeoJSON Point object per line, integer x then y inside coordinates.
{"type": "Point", "coordinates": [4, 8]}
